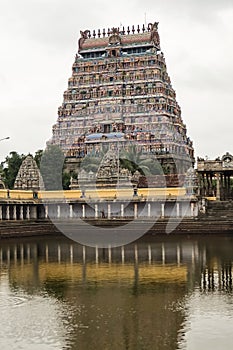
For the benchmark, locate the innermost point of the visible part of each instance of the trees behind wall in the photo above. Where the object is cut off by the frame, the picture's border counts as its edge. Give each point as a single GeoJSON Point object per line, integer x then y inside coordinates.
{"type": "Point", "coordinates": [50, 162]}
{"type": "Point", "coordinates": [10, 167]}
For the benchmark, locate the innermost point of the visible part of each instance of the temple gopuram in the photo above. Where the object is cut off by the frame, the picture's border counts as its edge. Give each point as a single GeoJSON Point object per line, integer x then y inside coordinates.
{"type": "Point", "coordinates": [119, 95]}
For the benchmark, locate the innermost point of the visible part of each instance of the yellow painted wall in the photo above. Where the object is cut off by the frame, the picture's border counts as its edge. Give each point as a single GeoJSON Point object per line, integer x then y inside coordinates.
{"type": "Point", "coordinates": [16, 194]}
{"type": "Point", "coordinates": [107, 193]}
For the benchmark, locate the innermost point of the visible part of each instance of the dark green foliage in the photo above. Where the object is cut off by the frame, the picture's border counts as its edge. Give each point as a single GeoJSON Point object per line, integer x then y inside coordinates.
{"type": "Point", "coordinates": [11, 167]}
{"type": "Point", "coordinates": [66, 181]}
{"type": "Point", "coordinates": [91, 163]}
{"type": "Point", "coordinates": [134, 161]}
{"type": "Point", "coordinates": [51, 167]}
{"type": "Point", "coordinates": [50, 162]}
{"type": "Point", "coordinates": [38, 156]}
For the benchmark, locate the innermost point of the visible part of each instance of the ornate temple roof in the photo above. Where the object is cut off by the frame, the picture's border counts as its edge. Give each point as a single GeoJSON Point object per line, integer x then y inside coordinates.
{"type": "Point", "coordinates": [116, 36]}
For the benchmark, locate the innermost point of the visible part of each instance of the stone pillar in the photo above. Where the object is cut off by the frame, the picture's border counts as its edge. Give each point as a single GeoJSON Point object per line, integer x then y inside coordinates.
{"type": "Point", "coordinates": [34, 212]}
{"type": "Point", "coordinates": [28, 212]}
{"type": "Point", "coordinates": [218, 188]}
{"type": "Point", "coordinates": [109, 211]}
{"type": "Point", "coordinates": [177, 210]}
{"type": "Point", "coordinates": [192, 209]}
{"type": "Point", "coordinates": [208, 184]}
{"type": "Point", "coordinates": [205, 185]}
{"type": "Point", "coordinates": [58, 211]}
{"type": "Point", "coordinates": [7, 212]}
{"type": "Point", "coordinates": [46, 211]}
{"type": "Point", "coordinates": [96, 211]}
{"type": "Point", "coordinates": [211, 184]}
{"type": "Point", "coordinates": [122, 210]}
{"type": "Point", "coordinates": [225, 187]}
{"type": "Point", "coordinates": [14, 213]}
{"type": "Point", "coordinates": [84, 210]}
{"type": "Point", "coordinates": [221, 186]}
{"type": "Point", "coordinates": [149, 210]}
{"type": "Point", "coordinates": [162, 210]}
{"type": "Point", "coordinates": [135, 210]}
{"type": "Point", "coordinates": [71, 210]}
{"type": "Point", "coordinates": [0, 212]}
{"type": "Point", "coordinates": [229, 186]}
{"type": "Point", "coordinates": [21, 212]}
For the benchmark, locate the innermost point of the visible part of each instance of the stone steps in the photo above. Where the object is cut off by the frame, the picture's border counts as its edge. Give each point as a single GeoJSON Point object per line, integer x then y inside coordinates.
{"type": "Point", "coordinates": [220, 210]}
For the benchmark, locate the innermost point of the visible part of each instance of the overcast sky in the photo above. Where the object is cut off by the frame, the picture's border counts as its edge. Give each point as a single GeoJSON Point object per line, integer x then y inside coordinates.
{"type": "Point", "coordinates": [39, 41]}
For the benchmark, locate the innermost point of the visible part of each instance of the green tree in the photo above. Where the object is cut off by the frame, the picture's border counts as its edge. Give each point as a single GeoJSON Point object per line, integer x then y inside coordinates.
{"type": "Point", "coordinates": [91, 163]}
{"type": "Point", "coordinates": [51, 167]}
{"type": "Point", "coordinates": [11, 167]}
{"type": "Point", "coordinates": [66, 181]}
{"type": "Point", "coordinates": [38, 156]}
{"type": "Point", "coordinates": [134, 161]}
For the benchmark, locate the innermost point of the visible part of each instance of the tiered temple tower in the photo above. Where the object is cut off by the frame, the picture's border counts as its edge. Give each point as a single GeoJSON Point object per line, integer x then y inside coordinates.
{"type": "Point", "coordinates": [28, 177]}
{"type": "Point", "coordinates": [119, 94]}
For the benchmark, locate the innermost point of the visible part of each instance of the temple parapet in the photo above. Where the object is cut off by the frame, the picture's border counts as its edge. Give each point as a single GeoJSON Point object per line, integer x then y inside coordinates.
{"type": "Point", "coordinates": [124, 37]}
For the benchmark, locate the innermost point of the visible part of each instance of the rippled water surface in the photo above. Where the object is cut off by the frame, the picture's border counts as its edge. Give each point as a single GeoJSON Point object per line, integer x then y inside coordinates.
{"type": "Point", "coordinates": [159, 293]}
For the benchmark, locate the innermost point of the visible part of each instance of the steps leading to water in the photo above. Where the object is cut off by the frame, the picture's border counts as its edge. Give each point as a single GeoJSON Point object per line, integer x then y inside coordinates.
{"type": "Point", "coordinates": [218, 210]}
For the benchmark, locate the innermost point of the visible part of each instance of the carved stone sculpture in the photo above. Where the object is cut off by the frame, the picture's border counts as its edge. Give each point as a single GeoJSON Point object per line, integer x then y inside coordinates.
{"type": "Point", "coordinates": [154, 36]}
{"type": "Point", "coordinates": [84, 36]}
{"type": "Point", "coordinates": [115, 38]}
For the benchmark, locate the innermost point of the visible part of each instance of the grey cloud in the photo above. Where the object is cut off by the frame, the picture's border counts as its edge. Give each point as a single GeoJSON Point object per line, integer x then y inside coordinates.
{"type": "Point", "coordinates": [207, 78]}
{"type": "Point", "coordinates": [196, 10]}
{"type": "Point", "coordinates": [52, 26]}
{"type": "Point", "coordinates": [52, 22]}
